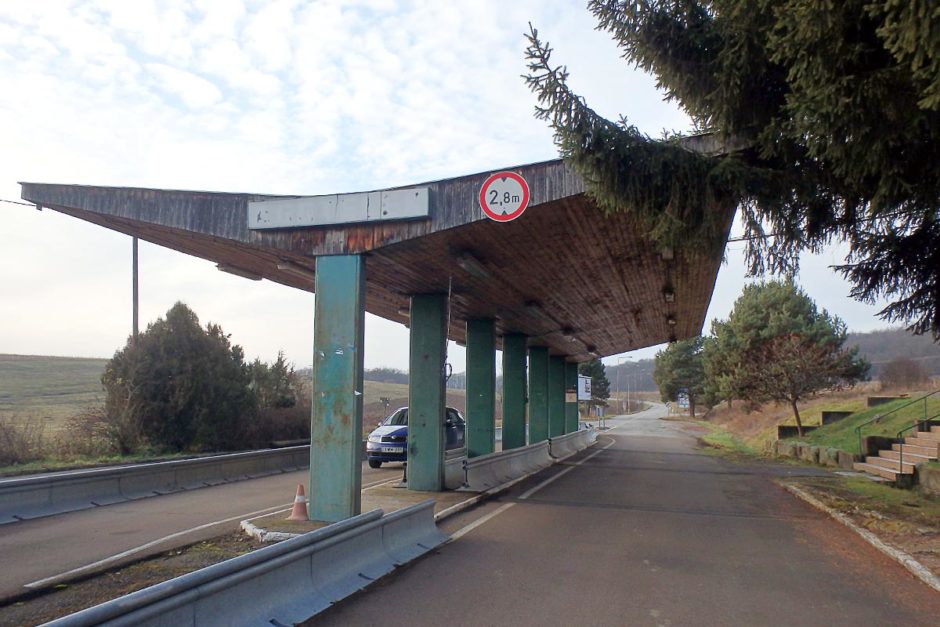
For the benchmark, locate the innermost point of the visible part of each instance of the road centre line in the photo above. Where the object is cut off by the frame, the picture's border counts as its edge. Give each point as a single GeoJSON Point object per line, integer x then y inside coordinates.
{"type": "Point", "coordinates": [532, 491]}
{"type": "Point", "coordinates": [484, 519]}
{"type": "Point", "coordinates": [87, 568]}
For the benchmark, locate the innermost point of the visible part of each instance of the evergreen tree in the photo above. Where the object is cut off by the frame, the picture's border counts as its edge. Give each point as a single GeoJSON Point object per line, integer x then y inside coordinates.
{"type": "Point", "coordinates": [777, 346]}
{"type": "Point", "coordinates": [179, 387]}
{"type": "Point", "coordinates": [678, 368]}
{"type": "Point", "coordinates": [600, 386]}
{"type": "Point", "coordinates": [829, 115]}
{"type": "Point", "coordinates": [275, 385]}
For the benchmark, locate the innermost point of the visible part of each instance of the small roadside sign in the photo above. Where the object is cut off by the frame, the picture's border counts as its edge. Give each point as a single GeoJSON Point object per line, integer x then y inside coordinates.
{"type": "Point", "coordinates": [504, 196]}
{"type": "Point", "coordinates": [584, 388]}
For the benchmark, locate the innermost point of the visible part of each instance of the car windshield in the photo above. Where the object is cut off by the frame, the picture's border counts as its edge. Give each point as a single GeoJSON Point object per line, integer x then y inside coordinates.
{"type": "Point", "coordinates": [398, 418]}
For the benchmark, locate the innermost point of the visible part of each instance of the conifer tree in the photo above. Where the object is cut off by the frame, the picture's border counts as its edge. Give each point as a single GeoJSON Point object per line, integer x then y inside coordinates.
{"type": "Point", "coordinates": [829, 114]}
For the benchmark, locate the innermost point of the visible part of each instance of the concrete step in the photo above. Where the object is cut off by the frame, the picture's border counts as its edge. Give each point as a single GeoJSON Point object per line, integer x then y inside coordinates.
{"type": "Point", "coordinates": [933, 445]}
{"type": "Point", "coordinates": [891, 464]}
{"type": "Point", "coordinates": [909, 456]}
{"type": "Point", "coordinates": [926, 451]}
{"type": "Point", "coordinates": [878, 471]}
{"type": "Point", "coordinates": [933, 434]}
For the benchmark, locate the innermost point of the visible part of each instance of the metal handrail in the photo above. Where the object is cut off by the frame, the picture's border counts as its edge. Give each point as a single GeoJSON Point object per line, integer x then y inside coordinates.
{"type": "Point", "coordinates": [913, 426]}
{"type": "Point", "coordinates": [858, 429]}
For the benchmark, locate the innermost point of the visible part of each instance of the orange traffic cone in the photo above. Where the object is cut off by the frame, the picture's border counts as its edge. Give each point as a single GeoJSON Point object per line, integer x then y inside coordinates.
{"type": "Point", "coordinates": [300, 505]}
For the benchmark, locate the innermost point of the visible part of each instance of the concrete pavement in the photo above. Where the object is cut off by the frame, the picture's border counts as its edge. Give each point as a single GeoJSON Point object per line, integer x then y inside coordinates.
{"type": "Point", "coordinates": [647, 531]}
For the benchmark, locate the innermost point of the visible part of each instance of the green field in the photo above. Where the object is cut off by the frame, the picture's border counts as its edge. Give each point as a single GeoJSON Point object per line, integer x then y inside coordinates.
{"type": "Point", "coordinates": [56, 388]}
{"type": "Point", "coordinates": [52, 388]}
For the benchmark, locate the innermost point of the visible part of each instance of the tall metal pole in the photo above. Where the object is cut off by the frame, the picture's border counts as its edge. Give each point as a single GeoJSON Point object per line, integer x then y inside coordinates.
{"type": "Point", "coordinates": [136, 289]}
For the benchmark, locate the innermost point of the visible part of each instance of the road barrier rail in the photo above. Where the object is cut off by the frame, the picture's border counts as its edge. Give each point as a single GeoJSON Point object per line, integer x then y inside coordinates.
{"type": "Point", "coordinates": [488, 471]}
{"type": "Point", "coordinates": [55, 493]}
{"type": "Point", "coordinates": [570, 443]}
{"type": "Point", "coordinates": [454, 474]}
{"type": "Point", "coordinates": [281, 584]}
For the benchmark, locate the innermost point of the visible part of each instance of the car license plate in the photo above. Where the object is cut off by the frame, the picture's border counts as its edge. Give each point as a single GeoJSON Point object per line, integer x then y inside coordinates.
{"type": "Point", "coordinates": [392, 449]}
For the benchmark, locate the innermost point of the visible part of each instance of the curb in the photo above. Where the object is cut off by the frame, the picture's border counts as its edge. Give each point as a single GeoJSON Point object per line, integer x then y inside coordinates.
{"type": "Point", "coordinates": [916, 568]}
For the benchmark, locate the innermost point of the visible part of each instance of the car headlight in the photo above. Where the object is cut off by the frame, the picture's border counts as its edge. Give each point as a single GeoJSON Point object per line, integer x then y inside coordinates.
{"type": "Point", "coordinates": [375, 439]}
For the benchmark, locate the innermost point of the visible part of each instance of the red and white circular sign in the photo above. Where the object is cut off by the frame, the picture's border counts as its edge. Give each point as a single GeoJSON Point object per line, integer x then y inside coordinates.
{"type": "Point", "coordinates": [504, 196]}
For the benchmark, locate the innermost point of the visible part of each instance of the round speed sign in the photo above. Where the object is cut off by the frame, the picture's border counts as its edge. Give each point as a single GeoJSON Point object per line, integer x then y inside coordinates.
{"type": "Point", "coordinates": [504, 196]}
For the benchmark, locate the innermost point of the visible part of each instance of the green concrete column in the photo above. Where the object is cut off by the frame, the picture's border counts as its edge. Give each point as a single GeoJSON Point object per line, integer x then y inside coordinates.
{"type": "Point", "coordinates": [481, 387]}
{"type": "Point", "coordinates": [556, 396]}
{"type": "Point", "coordinates": [336, 412]}
{"type": "Point", "coordinates": [426, 392]}
{"type": "Point", "coordinates": [538, 394]}
{"type": "Point", "coordinates": [571, 397]}
{"type": "Point", "coordinates": [514, 391]}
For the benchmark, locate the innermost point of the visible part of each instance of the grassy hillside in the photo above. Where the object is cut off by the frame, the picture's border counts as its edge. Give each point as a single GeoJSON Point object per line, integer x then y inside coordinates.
{"type": "Point", "coordinates": [898, 415]}
{"type": "Point", "coordinates": [48, 387]}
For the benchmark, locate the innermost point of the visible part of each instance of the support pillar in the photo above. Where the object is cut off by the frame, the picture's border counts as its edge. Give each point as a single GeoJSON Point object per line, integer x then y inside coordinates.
{"type": "Point", "coordinates": [426, 392]}
{"type": "Point", "coordinates": [336, 407]}
{"type": "Point", "coordinates": [514, 391]}
{"type": "Point", "coordinates": [481, 387]}
{"type": "Point", "coordinates": [571, 397]}
{"type": "Point", "coordinates": [556, 396]}
{"type": "Point", "coordinates": [538, 394]}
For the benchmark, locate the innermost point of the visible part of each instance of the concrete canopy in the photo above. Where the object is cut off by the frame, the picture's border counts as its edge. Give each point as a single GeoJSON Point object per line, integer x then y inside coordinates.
{"type": "Point", "coordinates": [575, 280]}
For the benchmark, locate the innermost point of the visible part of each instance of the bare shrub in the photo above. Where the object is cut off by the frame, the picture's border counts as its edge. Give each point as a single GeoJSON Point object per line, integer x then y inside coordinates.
{"type": "Point", "coordinates": [903, 372]}
{"type": "Point", "coordinates": [273, 424]}
{"type": "Point", "coordinates": [22, 439]}
{"type": "Point", "coordinates": [89, 434]}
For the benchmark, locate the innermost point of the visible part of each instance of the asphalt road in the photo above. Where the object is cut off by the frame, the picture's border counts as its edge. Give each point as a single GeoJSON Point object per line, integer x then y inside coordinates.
{"type": "Point", "coordinates": [33, 550]}
{"type": "Point", "coordinates": [644, 529]}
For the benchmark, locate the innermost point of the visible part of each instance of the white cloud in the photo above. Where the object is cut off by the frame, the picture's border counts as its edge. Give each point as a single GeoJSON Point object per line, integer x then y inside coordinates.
{"type": "Point", "coordinates": [284, 97]}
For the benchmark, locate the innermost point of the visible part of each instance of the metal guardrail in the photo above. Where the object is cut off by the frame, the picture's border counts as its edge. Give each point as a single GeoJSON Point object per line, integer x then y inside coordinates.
{"type": "Point", "coordinates": [281, 584]}
{"type": "Point", "coordinates": [56, 493]}
{"type": "Point", "coordinates": [488, 471]}
{"type": "Point", "coordinates": [454, 474]}
{"type": "Point", "coordinates": [569, 444]}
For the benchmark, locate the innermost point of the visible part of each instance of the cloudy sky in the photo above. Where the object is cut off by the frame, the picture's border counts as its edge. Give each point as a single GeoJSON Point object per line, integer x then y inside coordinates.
{"type": "Point", "coordinates": [283, 97]}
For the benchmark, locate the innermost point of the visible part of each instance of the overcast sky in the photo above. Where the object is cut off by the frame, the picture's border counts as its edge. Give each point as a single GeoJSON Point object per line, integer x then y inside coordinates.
{"type": "Point", "coordinates": [281, 97]}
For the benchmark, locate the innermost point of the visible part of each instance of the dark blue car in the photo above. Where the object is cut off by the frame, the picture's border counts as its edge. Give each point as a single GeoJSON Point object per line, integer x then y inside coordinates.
{"type": "Point", "coordinates": [389, 442]}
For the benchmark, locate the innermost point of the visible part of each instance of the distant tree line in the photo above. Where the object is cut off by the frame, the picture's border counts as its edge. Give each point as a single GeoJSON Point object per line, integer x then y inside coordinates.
{"type": "Point", "coordinates": [775, 346]}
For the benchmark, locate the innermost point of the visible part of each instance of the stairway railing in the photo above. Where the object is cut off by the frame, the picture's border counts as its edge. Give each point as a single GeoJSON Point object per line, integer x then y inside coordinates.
{"type": "Point", "coordinates": [926, 421]}
{"type": "Point", "coordinates": [880, 417]}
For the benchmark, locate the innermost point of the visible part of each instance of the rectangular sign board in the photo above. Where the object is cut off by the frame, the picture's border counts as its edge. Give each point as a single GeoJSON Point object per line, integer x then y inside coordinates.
{"type": "Point", "coordinates": [584, 388]}
{"type": "Point", "coordinates": [285, 213]}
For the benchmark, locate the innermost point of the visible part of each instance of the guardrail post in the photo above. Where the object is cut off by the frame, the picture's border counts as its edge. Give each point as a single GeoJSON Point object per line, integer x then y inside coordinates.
{"type": "Point", "coordinates": [514, 391]}
{"type": "Point", "coordinates": [426, 392]}
{"type": "Point", "coordinates": [571, 397]}
{"type": "Point", "coordinates": [556, 396]}
{"type": "Point", "coordinates": [538, 394]}
{"type": "Point", "coordinates": [481, 387]}
{"type": "Point", "coordinates": [336, 412]}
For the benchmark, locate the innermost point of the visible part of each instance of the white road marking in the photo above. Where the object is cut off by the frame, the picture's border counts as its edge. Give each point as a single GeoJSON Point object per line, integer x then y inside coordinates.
{"type": "Point", "coordinates": [499, 510]}
{"type": "Point", "coordinates": [479, 521]}
{"type": "Point", "coordinates": [564, 472]}
{"type": "Point", "coordinates": [276, 509]}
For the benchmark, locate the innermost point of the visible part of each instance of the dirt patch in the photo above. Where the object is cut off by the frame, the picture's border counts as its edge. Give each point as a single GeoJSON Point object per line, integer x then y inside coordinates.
{"type": "Point", "coordinates": [65, 599]}
{"type": "Point", "coordinates": [900, 518]}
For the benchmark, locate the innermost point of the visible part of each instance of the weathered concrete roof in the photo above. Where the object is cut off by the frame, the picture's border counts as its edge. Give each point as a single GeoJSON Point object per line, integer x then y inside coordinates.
{"type": "Point", "coordinates": [563, 273]}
